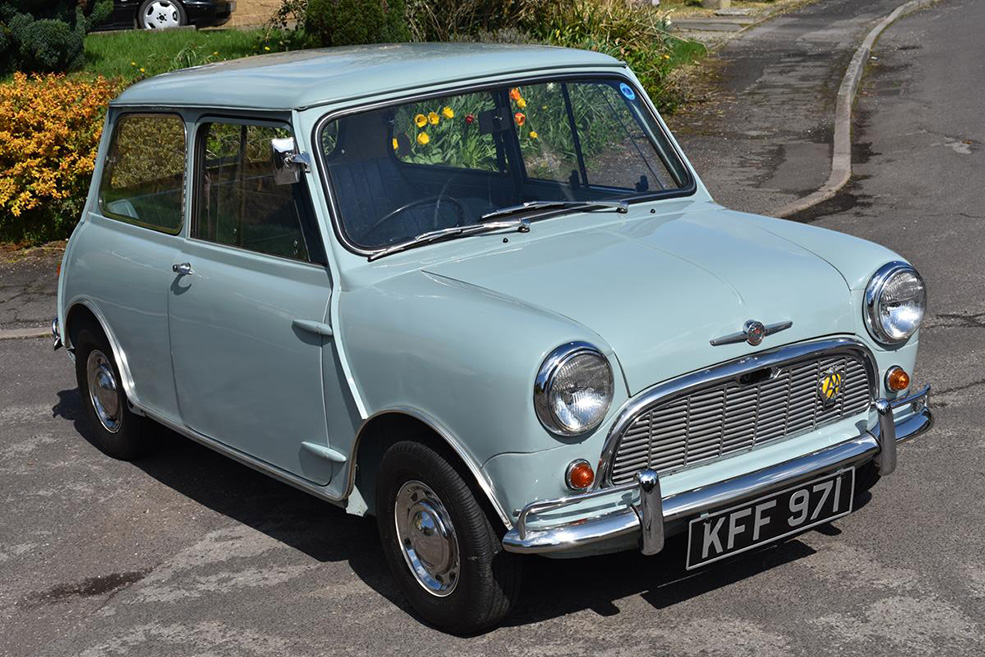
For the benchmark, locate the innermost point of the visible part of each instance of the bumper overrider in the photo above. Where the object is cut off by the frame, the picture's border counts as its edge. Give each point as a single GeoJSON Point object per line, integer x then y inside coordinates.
{"type": "Point", "coordinates": [650, 516]}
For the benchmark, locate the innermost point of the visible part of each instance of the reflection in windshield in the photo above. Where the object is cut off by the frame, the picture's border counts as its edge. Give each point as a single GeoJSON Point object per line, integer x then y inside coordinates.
{"type": "Point", "coordinates": [409, 169]}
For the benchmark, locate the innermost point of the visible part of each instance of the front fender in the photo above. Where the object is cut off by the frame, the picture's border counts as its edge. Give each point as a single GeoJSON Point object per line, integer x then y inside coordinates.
{"type": "Point", "coordinates": [460, 354]}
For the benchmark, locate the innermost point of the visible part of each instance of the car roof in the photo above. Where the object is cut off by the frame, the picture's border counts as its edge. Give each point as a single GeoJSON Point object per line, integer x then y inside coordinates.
{"type": "Point", "coordinates": [305, 78]}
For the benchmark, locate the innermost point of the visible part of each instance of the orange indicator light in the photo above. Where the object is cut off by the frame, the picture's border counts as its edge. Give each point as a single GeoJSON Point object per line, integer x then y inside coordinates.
{"type": "Point", "coordinates": [897, 379]}
{"type": "Point", "coordinates": [580, 475]}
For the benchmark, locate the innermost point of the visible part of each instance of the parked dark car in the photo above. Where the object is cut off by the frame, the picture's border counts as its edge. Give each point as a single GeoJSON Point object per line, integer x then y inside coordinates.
{"type": "Point", "coordinates": [159, 14]}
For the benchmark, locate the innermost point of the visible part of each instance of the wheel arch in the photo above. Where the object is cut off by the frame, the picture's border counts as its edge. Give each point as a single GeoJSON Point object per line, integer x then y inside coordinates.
{"type": "Point", "coordinates": [82, 312]}
{"type": "Point", "coordinates": [385, 428]}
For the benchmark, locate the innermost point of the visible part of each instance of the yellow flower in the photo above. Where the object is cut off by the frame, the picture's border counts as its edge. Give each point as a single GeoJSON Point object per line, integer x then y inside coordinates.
{"type": "Point", "coordinates": [215, 54]}
{"type": "Point", "coordinates": [422, 138]}
{"type": "Point", "coordinates": [267, 48]}
{"type": "Point", "coordinates": [433, 118]}
{"type": "Point", "coordinates": [133, 63]}
{"type": "Point", "coordinates": [395, 144]}
{"type": "Point", "coordinates": [521, 103]}
{"type": "Point", "coordinates": [420, 120]}
{"type": "Point", "coordinates": [141, 69]}
{"type": "Point", "coordinates": [533, 134]}
{"type": "Point", "coordinates": [448, 113]}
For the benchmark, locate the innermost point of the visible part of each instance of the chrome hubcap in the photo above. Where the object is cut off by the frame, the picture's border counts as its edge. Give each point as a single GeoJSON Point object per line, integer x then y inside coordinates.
{"type": "Point", "coordinates": [102, 390]}
{"type": "Point", "coordinates": [427, 538]}
{"type": "Point", "coordinates": [161, 14]}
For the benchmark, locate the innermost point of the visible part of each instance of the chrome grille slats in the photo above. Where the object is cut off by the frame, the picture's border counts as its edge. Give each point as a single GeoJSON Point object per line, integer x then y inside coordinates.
{"type": "Point", "coordinates": [725, 416]}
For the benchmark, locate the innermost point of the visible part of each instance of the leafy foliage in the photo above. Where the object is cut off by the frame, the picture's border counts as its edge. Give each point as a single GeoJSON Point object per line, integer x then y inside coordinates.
{"type": "Point", "coordinates": [446, 21]}
{"type": "Point", "coordinates": [636, 34]}
{"type": "Point", "coordinates": [47, 35]}
{"type": "Point", "coordinates": [349, 22]}
{"type": "Point", "coordinates": [49, 133]}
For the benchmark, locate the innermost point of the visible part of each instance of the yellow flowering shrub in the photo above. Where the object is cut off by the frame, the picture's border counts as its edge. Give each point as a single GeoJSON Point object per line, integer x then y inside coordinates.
{"type": "Point", "coordinates": [50, 127]}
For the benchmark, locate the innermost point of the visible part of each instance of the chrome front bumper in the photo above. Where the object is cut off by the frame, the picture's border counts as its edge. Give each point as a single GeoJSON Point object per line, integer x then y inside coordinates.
{"type": "Point", "coordinates": [652, 514]}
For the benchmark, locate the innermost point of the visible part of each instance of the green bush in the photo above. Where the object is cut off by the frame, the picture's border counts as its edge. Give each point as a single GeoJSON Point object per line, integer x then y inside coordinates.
{"type": "Point", "coordinates": [447, 21]}
{"type": "Point", "coordinates": [47, 35]}
{"type": "Point", "coordinates": [637, 34]}
{"type": "Point", "coordinates": [349, 22]}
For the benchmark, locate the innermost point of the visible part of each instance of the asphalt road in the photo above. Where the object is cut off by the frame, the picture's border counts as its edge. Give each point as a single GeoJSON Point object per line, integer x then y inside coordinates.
{"type": "Point", "coordinates": [761, 135]}
{"type": "Point", "coordinates": [188, 553]}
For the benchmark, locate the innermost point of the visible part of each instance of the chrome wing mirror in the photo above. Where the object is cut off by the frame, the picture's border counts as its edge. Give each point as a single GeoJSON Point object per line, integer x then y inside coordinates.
{"type": "Point", "coordinates": [288, 162]}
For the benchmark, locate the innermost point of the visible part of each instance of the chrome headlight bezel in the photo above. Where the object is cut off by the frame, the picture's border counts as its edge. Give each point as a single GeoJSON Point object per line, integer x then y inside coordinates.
{"type": "Point", "coordinates": [543, 387]}
{"type": "Point", "coordinates": [873, 296]}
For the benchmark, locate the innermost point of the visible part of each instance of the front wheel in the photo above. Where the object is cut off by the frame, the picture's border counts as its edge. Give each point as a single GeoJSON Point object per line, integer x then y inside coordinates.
{"type": "Point", "coordinates": [444, 553]}
{"type": "Point", "coordinates": [161, 14]}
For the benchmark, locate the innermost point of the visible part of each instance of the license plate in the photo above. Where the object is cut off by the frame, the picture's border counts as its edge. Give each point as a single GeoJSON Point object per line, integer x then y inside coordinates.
{"type": "Point", "coordinates": [724, 533]}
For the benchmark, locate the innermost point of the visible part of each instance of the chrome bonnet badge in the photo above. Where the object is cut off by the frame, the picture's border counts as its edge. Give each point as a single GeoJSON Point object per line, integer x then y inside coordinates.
{"type": "Point", "coordinates": [752, 332]}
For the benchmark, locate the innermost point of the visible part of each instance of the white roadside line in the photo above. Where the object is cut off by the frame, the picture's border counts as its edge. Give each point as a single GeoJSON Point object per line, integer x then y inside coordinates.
{"type": "Point", "coordinates": [24, 334]}
{"type": "Point", "coordinates": [841, 157]}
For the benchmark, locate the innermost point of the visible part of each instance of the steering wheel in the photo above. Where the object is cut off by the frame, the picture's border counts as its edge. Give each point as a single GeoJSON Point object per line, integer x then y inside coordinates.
{"type": "Point", "coordinates": [434, 200]}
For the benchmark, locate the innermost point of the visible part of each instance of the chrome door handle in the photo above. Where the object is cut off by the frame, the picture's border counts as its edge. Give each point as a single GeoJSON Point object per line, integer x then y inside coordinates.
{"type": "Point", "coordinates": [182, 269]}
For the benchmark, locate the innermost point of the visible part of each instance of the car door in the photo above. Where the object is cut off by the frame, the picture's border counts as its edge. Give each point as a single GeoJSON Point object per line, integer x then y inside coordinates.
{"type": "Point", "coordinates": [121, 255]}
{"type": "Point", "coordinates": [248, 305]}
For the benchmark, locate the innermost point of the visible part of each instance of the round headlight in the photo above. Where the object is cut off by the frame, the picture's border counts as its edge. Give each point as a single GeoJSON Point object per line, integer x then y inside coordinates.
{"type": "Point", "coordinates": [573, 389]}
{"type": "Point", "coordinates": [895, 301]}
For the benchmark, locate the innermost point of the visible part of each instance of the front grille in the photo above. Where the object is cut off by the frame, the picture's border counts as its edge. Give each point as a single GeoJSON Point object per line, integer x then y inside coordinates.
{"type": "Point", "coordinates": [730, 416]}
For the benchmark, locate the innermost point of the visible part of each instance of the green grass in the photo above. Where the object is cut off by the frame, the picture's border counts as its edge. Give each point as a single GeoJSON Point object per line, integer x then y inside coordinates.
{"type": "Point", "coordinates": [124, 54]}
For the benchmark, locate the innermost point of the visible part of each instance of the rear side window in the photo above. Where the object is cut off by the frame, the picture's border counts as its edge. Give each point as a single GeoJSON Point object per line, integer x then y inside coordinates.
{"type": "Point", "coordinates": [143, 177]}
{"type": "Point", "coordinates": [238, 202]}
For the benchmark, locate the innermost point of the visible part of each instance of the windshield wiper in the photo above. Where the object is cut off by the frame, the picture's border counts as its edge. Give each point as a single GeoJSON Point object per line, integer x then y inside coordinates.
{"type": "Point", "coordinates": [621, 207]}
{"type": "Point", "coordinates": [522, 226]}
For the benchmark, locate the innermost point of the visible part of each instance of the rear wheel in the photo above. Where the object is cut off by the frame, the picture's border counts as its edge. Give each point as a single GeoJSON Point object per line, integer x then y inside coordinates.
{"type": "Point", "coordinates": [443, 551]}
{"type": "Point", "coordinates": [115, 429]}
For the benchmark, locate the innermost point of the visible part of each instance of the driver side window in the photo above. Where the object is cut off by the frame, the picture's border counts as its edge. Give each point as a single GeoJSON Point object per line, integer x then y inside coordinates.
{"type": "Point", "coordinates": [238, 203]}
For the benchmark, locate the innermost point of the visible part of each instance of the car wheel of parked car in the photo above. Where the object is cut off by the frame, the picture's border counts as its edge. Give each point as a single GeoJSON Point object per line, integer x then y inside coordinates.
{"type": "Point", "coordinates": [439, 542]}
{"type": "Point", "coordinates": [116, 430]}
{"type": "Point", "coordinates": [161, 14]}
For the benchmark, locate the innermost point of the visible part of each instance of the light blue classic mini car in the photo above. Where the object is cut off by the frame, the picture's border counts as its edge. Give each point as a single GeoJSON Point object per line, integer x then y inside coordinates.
{"type": "Point", "coordinates": [478, 292]}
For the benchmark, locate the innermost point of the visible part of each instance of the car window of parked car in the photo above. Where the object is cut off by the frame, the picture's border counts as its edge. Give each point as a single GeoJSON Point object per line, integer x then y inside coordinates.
{"type": "Point", "coordinates": [427, 132]}
{"type": "Point", "coordinates": [238, 202]}
{"type": "Point", "coordinates": [408, 168]}
{"type": "Point", "coordinates": [143, 177]}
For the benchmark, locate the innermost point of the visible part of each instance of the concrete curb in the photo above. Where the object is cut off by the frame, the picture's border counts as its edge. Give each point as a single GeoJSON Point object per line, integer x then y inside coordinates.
{"type": "Point", "coordinates": [25, 334]}
{"type": "Point", "coordinates": [841, 157]}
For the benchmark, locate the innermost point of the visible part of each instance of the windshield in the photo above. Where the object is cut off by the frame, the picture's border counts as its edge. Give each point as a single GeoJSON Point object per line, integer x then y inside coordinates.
{"type": "Point", "coordinates": [404, 170]}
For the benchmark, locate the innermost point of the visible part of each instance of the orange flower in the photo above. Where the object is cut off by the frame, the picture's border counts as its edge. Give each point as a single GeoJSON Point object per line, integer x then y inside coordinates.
{"type": "Point", "coordinates": [514, 94]}
{"type": "Point", "coordinates": [519, 118]}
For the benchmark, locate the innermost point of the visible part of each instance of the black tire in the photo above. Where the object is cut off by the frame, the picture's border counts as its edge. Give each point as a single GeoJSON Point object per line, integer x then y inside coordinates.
{"type": "Point", "coordinates": [145, 22]}
{"type": "Point", "coordinates": [125, 435]}
{"type": "Point", "coordinates": [488, 580]}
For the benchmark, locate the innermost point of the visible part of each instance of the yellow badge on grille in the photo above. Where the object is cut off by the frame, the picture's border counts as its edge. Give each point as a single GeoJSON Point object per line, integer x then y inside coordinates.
{"type": "Point", "coordinates": [830, 387]}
